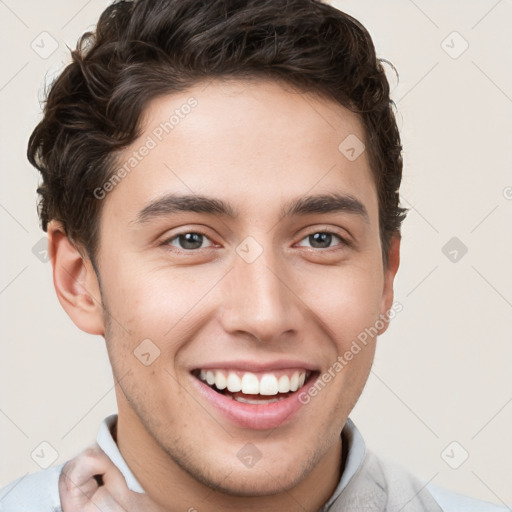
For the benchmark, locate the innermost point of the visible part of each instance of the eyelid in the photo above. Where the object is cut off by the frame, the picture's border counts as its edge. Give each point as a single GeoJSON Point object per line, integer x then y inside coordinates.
{"type": "Point", "coordinates": [345, 240]}
{"type": "Point", "coordinates": [341, 233]}
{"type": "Point", "coordinates": [166, 241]}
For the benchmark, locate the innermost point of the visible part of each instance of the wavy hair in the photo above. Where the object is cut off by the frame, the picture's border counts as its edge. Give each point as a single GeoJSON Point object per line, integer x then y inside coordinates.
{"type": "Point", "coordinates": [145, 48]}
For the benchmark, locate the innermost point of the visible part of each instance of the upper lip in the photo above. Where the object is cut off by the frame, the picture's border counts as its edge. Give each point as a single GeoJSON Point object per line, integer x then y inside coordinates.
{"type": "Point", "coordinates": [253, 366]}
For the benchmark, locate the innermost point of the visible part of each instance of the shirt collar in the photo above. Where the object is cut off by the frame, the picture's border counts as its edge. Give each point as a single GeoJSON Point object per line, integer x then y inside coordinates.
{"type": "Point", "coordinates": [356, 449]}
{"type": "Point", "coordinates": [109, 446]}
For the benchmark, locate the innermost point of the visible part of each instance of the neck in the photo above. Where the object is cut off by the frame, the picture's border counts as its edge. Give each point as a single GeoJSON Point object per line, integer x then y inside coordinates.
{"type": "Point", "coordinates": [174, 489]}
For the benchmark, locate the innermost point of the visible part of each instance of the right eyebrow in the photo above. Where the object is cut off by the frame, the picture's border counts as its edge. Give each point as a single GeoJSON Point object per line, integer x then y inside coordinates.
{"type": "Point", "coordinates": [171, 203]}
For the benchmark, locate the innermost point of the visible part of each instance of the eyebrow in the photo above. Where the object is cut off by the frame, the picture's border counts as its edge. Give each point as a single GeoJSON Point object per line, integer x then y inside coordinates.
{"type": "Point", "coordinates": [323, 203]}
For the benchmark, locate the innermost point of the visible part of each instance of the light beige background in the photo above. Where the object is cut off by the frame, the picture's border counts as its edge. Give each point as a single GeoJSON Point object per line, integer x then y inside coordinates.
{"type": "Point", "coordinates": [442, 371]}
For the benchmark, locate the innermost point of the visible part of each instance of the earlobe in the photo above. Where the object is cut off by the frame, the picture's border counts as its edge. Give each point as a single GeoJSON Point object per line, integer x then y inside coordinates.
{"type": "Point", "coordinates": [389, 277]}
{"type": "Point", "coordinates": [75, 281]}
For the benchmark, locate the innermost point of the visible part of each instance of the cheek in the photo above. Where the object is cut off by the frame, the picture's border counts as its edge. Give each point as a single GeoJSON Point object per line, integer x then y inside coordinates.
{"type": "Point", "coordinates": [152, 303]}
{"type": "Point", "coordinates": [344, 300]}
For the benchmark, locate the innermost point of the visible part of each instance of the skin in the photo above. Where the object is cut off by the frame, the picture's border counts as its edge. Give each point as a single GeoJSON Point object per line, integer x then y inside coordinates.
{"type": "Point", "coordinates": [256, 145]}
{"type": "Point", "coordinates": [79, 490]}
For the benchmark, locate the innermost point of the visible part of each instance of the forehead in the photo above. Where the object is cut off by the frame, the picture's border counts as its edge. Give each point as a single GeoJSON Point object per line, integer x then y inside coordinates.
{"type": "Point", "coordinates": [251, 142]}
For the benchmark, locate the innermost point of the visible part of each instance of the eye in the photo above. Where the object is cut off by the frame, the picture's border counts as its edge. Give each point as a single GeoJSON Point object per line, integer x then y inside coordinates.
{"type": "Point", "coordinates": [187, 241]}
{"type": "Point", "coordinates": [323, 239]}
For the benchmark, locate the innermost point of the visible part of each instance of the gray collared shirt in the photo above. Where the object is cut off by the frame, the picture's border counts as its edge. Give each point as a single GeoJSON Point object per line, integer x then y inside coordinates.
{"type": "Point", "coordinates": [38, 492]}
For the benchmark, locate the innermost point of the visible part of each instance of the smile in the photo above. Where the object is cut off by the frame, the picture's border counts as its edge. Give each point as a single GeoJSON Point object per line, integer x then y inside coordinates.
{"type": "Point", "coordinates": [254, 399]}
{"type": "Point", "coordinates": [249, 383]}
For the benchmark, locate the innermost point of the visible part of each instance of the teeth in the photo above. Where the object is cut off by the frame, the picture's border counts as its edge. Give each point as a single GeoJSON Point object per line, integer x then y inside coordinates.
{"type": "Point", "coordinates": [284, 384]}
{"type": "Point", "coordinates": [258, 402]}
{"type": "Point", "coordinates": [250, 384]}
{"type": "Point", "coordinates": [294, 382]}
{"type": "Point", "coordinates": [234, 382]}
{"type": "Point", "coordinates": [210, 378]}
{"type": "Point", "coordinates": [268, 385]}
{"type": "Point", "coordinates": [220, 380]}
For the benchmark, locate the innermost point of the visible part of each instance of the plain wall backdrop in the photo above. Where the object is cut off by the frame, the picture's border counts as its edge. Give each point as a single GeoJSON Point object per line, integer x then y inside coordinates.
{"type": "Point", "coordinates": [441, 386]}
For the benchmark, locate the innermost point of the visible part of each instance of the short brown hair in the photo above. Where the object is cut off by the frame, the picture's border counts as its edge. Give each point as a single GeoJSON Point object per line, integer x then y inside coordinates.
{"type": "Point", "coordinates": [145, 48]}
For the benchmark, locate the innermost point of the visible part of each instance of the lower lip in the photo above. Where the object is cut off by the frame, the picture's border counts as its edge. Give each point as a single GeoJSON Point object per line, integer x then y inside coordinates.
{"type": "Point", "coordinates": [254, 416]}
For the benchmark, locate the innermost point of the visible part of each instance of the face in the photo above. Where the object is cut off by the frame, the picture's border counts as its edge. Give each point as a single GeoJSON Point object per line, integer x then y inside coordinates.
{"type": "Point", "coordinates": [249, 282]}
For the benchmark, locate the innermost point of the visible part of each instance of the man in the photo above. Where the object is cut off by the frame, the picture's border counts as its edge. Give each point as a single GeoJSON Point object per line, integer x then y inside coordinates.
{"type": "Point", "coordinates": [220, 191]}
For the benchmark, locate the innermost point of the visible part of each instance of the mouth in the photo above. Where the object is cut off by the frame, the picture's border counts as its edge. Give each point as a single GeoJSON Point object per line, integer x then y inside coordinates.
{"type": "Point", "coordinates": [256, 388]}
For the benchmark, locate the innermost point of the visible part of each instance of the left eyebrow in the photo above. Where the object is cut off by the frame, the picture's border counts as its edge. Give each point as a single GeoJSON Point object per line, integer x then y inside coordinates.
{"type": "Point", "coordinates": [323, 203]}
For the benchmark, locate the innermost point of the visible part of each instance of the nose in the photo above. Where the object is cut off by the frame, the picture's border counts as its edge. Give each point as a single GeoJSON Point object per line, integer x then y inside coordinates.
{"type": "Point", "coordinates": [260, 300]}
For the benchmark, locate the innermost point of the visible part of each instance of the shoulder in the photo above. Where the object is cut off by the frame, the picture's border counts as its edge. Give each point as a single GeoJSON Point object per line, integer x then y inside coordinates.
{"type": "Point", "coordinates": [453, 502]}
{"type": "Point", "coordinates": [34, 492]}
{"type": "Point", "coordinates": [396, 476]}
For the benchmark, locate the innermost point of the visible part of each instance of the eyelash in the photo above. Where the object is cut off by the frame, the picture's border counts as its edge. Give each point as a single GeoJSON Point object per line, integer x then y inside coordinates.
{"type": "Point", "coordinates": [167, 242]}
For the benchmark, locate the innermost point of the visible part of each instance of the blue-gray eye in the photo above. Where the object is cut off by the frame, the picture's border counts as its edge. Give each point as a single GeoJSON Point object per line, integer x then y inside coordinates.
{"type": "Point", "coordinates": [188, 241]}
{"type": "Point", "coordinates": [322, 239]}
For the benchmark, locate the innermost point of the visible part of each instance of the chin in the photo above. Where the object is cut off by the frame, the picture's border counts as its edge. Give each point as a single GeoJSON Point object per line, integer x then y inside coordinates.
{"type": "Point", "coordinates": [257, 483]}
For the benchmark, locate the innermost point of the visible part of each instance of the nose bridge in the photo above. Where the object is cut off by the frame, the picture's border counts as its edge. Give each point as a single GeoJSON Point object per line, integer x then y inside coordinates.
{"type": "Point", "coordinates": [259, 300]}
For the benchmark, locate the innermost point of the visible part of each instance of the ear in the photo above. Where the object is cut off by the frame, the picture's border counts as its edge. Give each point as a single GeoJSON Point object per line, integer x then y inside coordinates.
{"type": "Point", "coordinates": [389, 278]}
{"type": "Point", "coordinates": [75, 281]}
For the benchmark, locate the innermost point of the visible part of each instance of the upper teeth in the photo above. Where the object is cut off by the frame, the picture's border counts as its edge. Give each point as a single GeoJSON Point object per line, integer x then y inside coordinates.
{"type": "Point", "coordinates": [252, 384]}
